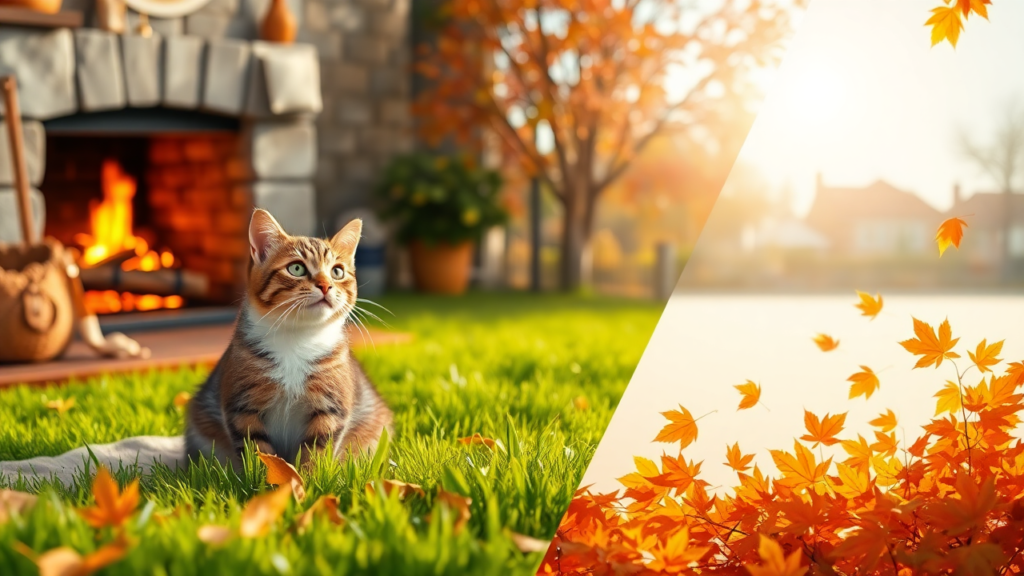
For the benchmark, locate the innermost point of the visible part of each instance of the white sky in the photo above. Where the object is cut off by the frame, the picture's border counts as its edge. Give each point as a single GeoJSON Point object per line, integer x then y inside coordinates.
{"type": "Point", "coordinates": [862, 95]}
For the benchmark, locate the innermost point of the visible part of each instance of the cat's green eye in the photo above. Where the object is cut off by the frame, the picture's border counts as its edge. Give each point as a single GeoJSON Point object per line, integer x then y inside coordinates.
{"type": "Point", "coordinates": [296, 269]}
{"type": "Point", "coordinates": [338, 272]}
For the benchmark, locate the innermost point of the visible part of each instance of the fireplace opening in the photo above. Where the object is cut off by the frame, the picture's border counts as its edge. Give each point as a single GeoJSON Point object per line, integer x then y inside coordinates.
{"type": "Point", "coordinates": [160, 219]}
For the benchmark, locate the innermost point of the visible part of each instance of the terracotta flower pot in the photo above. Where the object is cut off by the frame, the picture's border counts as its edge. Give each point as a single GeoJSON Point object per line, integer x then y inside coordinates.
{"type": "Point", "coordinates": [44, 6]}
{"type": "Point", "coordinates": [441, 268]}
{"type": "Point", "coordinates": [279, 24]}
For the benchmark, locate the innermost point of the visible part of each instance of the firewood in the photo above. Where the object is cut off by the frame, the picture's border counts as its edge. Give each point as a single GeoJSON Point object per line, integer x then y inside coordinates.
{"type": "Point", "coordinates": [166, 282]}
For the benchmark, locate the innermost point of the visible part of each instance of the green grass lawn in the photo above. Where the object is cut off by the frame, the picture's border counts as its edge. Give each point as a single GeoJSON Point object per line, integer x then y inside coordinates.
{"type": "Point", "coordinates": [509, 366]}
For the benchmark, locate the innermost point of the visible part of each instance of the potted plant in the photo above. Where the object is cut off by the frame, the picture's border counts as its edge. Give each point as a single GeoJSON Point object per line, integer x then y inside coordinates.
{"type": "Point", "coordinates": [440, 205]}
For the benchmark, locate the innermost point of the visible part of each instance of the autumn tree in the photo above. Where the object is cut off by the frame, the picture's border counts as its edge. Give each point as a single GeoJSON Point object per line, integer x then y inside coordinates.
{"type": "Point", "coordinates": [575, 90]}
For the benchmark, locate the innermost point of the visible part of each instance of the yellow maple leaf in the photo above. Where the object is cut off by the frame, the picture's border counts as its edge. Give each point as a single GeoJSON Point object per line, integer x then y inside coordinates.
{"type": "Point", "coordinates": [949, 399]}
{"type": "Point", "coordinates": [933, 348]}
{"type": "Point", "coordinates": [826, 342]}
{"type": "Point", "coordinates": [946, 24]}
{"type": "Point", "coordinates": [869, 306]}
{"type": "Point", "coordinates": [751, 394]}
{"type": "Point", "coordinates": [865, 383]}
{"type": "Point", "coordinates": [774, 562]}
{"type": "Point", "coordinates": [986, 355]}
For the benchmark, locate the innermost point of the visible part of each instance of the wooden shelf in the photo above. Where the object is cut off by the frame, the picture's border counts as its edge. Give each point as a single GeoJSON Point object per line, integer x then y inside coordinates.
{"type": "Point", "coordinates": [24, 17]}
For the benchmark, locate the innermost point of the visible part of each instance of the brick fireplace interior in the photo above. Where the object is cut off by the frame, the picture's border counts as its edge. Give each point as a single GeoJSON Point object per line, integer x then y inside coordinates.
{"type": "Point", "coordinates": [160, 218]}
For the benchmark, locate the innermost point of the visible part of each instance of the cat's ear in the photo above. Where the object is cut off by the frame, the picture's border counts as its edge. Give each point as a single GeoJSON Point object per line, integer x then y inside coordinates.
{"type": "Point", "coordinates": [264, 235]}
{"type": "Point", "coordinates": [346, 240]}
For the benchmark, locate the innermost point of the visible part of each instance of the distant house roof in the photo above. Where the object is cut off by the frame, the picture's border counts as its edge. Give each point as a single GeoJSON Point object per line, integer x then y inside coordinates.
{"type": "Point", "coordinates": [985, 209]}
{"type": "Point", "coordinates": [836, 207]}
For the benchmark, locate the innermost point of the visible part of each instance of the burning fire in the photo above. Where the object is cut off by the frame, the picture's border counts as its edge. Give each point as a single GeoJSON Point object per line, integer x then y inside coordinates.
{"type": "Point", "coordinates": [112, 240]}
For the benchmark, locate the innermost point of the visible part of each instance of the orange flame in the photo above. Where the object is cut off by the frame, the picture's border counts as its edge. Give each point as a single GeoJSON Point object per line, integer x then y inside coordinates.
{"type": "Point", "coordinates": [112, 224]}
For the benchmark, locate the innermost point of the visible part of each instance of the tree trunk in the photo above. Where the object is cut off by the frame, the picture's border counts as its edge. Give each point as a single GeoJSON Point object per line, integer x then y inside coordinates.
{"type": "Point", "coordinates": [577, 224]}
{"type": "Point", "coordinates": [1007, 271]}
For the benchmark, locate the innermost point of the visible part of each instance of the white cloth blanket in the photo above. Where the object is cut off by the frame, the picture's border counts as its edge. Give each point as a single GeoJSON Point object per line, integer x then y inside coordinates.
{"type": "Point", "coordinates": [142, 450]}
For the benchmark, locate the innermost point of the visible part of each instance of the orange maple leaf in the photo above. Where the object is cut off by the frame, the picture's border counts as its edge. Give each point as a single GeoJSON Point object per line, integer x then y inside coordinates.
{"type": "Point", "coordinates": [736, 459]}
{"type": "Point", "coordinates": [751, 394]}
{"type": "Point", "coordinates": [681, 428]}
{"type": "Point", "coordinates": [985, 356]}
{"type": "Point", "coordinates": [65, 561]}
{"type": "Point", "coordinates": [946, 24]}
{"type": "Point", "coordinates": [887, 422]}
{"type": "Point", "coordinates": [865, 383]}
{"type": "Point", "coordinates": [774, 562]}
{"type": "Point", "coordinates": [869, 306]}
{"type": "Point", "coordinates": [113, 507]}
{"type": "Point", "coordinates": [949, 399]}
{"type": "Point", "coordinates": [950, 233]}
{"type": "Point", "coordinates": [281, 473]}
{"type": "Point", "coordinates": [676, 553]}
{"type": "Point", "coordinates": [825, 342]}
{"type": "Point", "coordinates": [859, 451]}
{"type": "Point", "coordinates": [932, 347]}
{"type": "Point", "coordinates": [799, 469]}
{"type": "Point", "coordinates": [823, 430]}
{"type": "Point", "coordinates": [262, 511]}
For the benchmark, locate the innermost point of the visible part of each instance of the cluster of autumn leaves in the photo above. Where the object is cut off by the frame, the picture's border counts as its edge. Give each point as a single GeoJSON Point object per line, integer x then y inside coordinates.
{"type": "Point", "coordinates": [947, 21]}
{"type": "Point", "coordinates": [949, 502]}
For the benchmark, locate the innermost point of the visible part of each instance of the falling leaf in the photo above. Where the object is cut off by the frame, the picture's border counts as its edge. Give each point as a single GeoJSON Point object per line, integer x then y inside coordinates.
{"type": "Point", "coordinates": [825, 342]}
{"type": "Point", "coordinates": [774, 562]}
{"type": "Point", "coordinates": [262, 511]}
{"type": "Point", "coordinates": [946, 25]}
{"type": "Point", "coordinates": [528, 544]}
{"type": "Point", "coordinates": [887, 422]}
{"type": "Point", "coordinates": [986, 356]}
{"type": "Point", "coordinates": [865, 383]}
{"type": "Point", "coordinates": [403, 489]}
{"type": "Point", "coordinates": [458, 504]}
{"type": "Point", "coordinates": [580, 402]}
{"type": "Point", "coordinates": [823, 430]}
{"type": "Point", "coordinates": [213, 534]}
{"type": "Point", "coordinates": [61, 405]}
{"type": "Point", "coordinates": [113, 507]}
{"type": "Point", "coordinates": [281, 473]}
{"type": "Point", "coordinates": [951, 231]}
{"type": "Point", "coordinates": [477, 438]}
{"type": "Point", "coordinates": [681, 428]}
{"type": "Point", "coordinates": [869, 306]}
{"type": "Point", "coordinates": [181, 399]}
{"type": "Point", "coordinates": [750, 394]}
{"type": "Point", "coordinates": [14, 502]}
{"type": "Point", "coordinates": [931, 347]}
{"type": "Point", "coordinates": [736, 460]}
{"type": "Point", "coordinates": [65, 561]}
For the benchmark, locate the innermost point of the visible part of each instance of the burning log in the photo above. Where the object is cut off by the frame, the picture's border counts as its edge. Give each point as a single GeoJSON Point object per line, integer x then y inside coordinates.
{"type": "Point", "coordinates": [163, 282]}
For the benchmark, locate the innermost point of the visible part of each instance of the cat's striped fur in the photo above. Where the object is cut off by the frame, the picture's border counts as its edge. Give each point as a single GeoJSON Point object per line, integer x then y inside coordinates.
{"type": "Point", "coordinates": [288, 381]}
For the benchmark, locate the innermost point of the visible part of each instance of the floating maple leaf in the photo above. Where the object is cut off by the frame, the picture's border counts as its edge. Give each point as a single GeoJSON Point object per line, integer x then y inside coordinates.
{"type": "Point", "coordinates": [986, 355]}
{"type": "Point", "coordinates": [113, 507]}
{"type": "Point", "coordinates": [869, 306]}
{"type": "Point", "coordinates": [887, 422]}
{"type": "Point", "coordinates": [826, 342]}
{"type": "Point", "coordinates": [946, 24]}
{"type": "Point", "coordinates": [681, 428]}
{"type": "Point", "coordinates": [750, 394]}
{"type": "Point", "coordinates": [865, 383]}
{"type": "Point", "coordinates": [736, 460]}
{"type": "Point", "coordinates": [823, 430]}
{"type": "Point", "coordinates": [950, 233]}
{"type": "Point", "coordinates": [932, 347]}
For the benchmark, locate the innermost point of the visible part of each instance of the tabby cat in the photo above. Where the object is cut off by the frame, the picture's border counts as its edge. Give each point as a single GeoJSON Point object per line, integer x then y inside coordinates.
{"type": "Point", "coordinates": [288, 382]}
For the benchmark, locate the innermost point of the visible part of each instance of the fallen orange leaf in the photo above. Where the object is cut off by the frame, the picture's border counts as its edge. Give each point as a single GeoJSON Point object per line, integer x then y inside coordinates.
{"type": "Point", "coordinates": [61, 405]}
{"type": "Point", "coordinates": [477, 438]}
{"type": "Point", "coordinates": [825, 342]}
{"type": "Point", "coordinates": [403, 489]}
{"type": "Point", "coordinates": [751, 394]}
{"type": "Point", "coordinates": [65, 561]}
{"type": "Point", "coordinates": [181, 399]}
{"type": "Point", "coordinates": [950, 232]}
{"type": "Point", "coordinates": [213, 534]}
{"type": "Point", "coordinates": [281, 473]}
{"type": "Point", "coordinates": [869, 306]}
{"type": "Point", "coordinates": [326, 505]}
{"type": "Point", "coordinates": [14, 502]}
{"type": "Point", "coordinates": [113, 507]}
{"type": "Point", "coordinates": [262, 511]}
{"type": "Point", "coordinates": [456, 503]}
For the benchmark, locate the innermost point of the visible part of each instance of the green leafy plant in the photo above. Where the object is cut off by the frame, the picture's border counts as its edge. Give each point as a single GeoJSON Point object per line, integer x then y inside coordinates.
{"type": "Point", "coordinates": [440, 199]}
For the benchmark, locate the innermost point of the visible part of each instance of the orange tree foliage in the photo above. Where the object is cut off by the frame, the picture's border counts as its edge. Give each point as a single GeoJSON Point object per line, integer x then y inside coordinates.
{"type": "Point", "coordinates": [948, 502]}
{"type": "Point", "coordinates": [603, 78]}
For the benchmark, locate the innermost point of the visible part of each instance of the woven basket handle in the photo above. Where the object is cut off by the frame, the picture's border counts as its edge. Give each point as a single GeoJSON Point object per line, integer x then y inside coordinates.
{"type": "Point", "coordinates": [9, 86]}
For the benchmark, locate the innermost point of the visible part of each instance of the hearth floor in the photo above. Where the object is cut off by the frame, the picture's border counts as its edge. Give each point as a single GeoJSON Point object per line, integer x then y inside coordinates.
{"type": "Point", "coordinates": [173, 347]}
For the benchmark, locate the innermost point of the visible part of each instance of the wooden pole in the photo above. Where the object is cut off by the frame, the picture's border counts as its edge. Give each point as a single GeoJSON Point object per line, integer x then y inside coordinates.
{"type": "Point", "coordinates": [14, 135]}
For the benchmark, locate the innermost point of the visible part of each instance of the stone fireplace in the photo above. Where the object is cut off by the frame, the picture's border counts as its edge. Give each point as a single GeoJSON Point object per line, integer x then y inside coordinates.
{"type": "Point", "coordinates": [202, 122]}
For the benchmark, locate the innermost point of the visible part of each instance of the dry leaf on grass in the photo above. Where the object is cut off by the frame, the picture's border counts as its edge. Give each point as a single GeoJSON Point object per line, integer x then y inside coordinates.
{"type": "Point", "coordinates": [181, 399]}
{"type": "Point", "coordinates": [65, 561]}
{"type": "Point", "coordinates": [61, 405]}
{"type": "Point", "coordinates": [457, 503]}
{"type": "Point", "coordinates": [528, 544]}
{"type": "Point", "coordinates": [113, 507]}
{"type": "Point", "coordinates": [478, 439]}
{"type": "Point", "coordinates": [403, 489]}
{"type": "Point", "coordinates": [213, 534]}
{"type": "Point", "coordinates": [281, 473]}
{"type": "Point", "coordinates": [324, 505]}
{"type": "Point", "coordinates": [262, 511]}
{"type": "Point", "coordinates": [14, 502]}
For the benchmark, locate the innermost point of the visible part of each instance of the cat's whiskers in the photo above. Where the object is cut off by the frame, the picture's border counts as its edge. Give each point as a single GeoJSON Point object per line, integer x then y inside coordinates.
{"type": "Point", "coordinates": [368, 301]}
{"type": "Point", "coordinates": [285, 301]}
{"type": "Point", "coordinates": [366, 313]}
{"type": "Point", "coordinates": [280, 320]}
{"type": "Point", "coordinates": [363, 330]}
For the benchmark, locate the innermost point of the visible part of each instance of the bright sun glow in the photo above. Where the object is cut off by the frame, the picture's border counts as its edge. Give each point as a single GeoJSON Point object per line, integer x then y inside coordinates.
{"type": "Point", "coordinates": [814, 97]}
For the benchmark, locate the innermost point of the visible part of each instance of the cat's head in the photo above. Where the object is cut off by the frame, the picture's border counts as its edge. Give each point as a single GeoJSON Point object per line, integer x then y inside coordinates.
{"type": "Point", "coordinates": [298, 280]}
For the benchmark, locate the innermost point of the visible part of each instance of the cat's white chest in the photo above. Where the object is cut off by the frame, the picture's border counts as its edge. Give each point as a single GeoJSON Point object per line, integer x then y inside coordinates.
{"type": "Point", "coordinates": [295, 354]}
